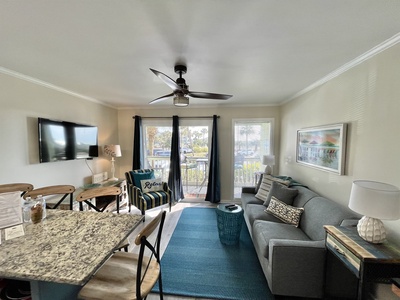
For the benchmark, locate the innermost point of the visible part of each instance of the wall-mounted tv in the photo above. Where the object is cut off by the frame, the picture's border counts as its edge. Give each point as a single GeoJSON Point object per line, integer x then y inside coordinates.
{"type": "Point", "coordinates": [61, 140]}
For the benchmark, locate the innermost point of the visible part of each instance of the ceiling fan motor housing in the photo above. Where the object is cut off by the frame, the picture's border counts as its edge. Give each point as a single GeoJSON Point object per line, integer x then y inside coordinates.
{"type": "Point", "coordinates": [182, 83]}
{"type": "Point", "coordinates": [180, 69]}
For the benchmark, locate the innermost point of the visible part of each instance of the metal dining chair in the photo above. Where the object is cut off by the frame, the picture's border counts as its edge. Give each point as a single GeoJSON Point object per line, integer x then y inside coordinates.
{"type": "Point", "coordinates": [12, 286]}
{"type": "Point", "coordinates": [16, 187]}
{"type": "Point", "coordinates": [129, 275]}
{"type": "Point", "coordinates": [62, 191]}
{"type": "Point", "coordinates": [111, 191]}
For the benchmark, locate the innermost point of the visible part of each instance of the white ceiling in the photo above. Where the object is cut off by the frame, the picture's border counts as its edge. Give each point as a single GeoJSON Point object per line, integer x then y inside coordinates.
{"type": "Point", "coordinates": [261, 51]}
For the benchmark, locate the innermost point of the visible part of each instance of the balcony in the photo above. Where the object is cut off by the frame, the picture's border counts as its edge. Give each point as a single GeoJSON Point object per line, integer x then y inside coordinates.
{"type": "Point", "coordinates": [194, 173]}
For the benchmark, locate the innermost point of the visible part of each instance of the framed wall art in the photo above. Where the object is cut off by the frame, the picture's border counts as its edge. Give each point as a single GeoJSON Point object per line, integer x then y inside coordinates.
{"type": "Point", "coordinates": [322, 147]}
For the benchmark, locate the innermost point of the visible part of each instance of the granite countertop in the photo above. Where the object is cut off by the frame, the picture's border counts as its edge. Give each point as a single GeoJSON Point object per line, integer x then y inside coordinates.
{"type": "Point", "coordinates": [66, 247]}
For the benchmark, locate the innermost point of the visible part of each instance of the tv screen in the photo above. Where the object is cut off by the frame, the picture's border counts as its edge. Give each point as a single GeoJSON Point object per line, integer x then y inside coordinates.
{"type": "Point", "coordinates": [60, 140]}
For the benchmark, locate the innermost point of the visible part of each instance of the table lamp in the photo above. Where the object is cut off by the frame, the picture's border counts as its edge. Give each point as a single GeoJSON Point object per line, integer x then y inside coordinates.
{"type": "Point", "coordinates": [374, 200]}
{"type": "Point", "coordinates": [113, 151]}
{"type": "Point", "coordinates": [269, 161]}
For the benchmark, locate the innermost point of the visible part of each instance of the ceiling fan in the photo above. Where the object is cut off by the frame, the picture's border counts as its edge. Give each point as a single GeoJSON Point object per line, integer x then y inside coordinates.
{"type": "Point", "coordinates": [181, 91]}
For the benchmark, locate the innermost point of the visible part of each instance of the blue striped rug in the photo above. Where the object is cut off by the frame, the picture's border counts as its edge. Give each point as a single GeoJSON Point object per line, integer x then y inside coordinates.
{"type": "Point", "coordinates": [196, 264]}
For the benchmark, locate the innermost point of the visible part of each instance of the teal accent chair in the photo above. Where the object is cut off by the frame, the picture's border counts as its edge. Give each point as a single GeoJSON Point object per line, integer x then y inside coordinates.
{"type": "Point", "coordinates": [144, 201]}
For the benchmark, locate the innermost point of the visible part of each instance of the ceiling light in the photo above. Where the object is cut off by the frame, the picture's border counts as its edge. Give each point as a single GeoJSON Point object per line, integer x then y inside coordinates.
{"type": "Point", "coordinates": [181, 101]}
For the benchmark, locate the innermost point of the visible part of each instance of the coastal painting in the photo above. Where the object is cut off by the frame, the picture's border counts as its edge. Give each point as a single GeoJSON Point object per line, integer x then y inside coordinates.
{"type": "Point", "coordinates": [322, 147]}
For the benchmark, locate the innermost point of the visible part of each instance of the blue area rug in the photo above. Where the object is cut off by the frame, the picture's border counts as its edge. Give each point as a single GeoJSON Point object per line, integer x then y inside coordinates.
{"type": "Point", "coordinates": [197, 264]}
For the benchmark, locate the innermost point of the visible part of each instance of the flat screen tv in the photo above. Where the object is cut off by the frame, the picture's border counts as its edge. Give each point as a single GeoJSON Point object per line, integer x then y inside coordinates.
{"type": "Point", "coordinates": [61, 140]}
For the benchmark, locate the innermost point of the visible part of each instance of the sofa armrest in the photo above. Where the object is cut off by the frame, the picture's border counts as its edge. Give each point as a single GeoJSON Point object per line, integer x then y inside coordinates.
{"type": "Point", "coordinates": [249, 189]}
{"type": "Point", "coordinates": [135, 195]}
{"type": "Point", "coordinates": [296, 267]}
{"type": "Point", "coordinates": [281, 247]}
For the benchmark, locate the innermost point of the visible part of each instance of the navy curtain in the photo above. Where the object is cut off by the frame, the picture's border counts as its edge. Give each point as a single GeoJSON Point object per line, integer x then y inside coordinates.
{"type": "Point", "coordinates": [214, 182]}
{"type": "Point", "coordinates": [174, 176]}
{"type": "Point", "coordinates": [137, 161]}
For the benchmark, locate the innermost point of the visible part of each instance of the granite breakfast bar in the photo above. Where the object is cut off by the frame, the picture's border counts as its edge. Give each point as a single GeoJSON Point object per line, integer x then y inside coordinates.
{"type": "Point", "coordinates": [60, 254]}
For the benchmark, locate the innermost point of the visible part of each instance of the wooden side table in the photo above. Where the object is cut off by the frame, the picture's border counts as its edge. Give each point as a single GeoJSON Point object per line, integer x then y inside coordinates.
{"type": "Point", "coordinates": [368, 262]}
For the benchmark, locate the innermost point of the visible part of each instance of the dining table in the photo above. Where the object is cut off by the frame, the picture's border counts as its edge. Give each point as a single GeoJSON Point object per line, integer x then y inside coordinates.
{"type": "Point", "coordinates": [62, 252]}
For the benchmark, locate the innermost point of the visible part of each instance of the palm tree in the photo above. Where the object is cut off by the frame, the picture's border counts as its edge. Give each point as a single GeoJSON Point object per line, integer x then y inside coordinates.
{"type": "Point", "coordinates": [151, 136]}
{"type": "Point", "coordinates": [247, 130]}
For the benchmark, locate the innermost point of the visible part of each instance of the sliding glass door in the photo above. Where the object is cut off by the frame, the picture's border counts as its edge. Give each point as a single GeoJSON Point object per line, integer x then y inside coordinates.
{"type": "Point", "coordinates": [252, 138]}
{"type": "Point", "coordinates": [194, 152]}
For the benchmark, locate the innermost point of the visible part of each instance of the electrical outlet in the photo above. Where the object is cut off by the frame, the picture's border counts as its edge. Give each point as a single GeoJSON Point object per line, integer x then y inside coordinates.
{"type": "Point", "coordinates": [96, 178]}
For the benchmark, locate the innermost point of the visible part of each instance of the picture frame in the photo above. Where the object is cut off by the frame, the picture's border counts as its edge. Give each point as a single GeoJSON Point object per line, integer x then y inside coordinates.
{"type": "Point", "coordinates": [322, 147]}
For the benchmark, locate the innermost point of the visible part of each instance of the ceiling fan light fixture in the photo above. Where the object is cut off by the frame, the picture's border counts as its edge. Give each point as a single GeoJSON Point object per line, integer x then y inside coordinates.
{"type": "Point", "coordinates": [181, 101]}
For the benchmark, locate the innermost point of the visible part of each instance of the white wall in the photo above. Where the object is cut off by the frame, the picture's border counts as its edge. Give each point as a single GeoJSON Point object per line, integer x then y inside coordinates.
{"type": "Point", "coordinates": [21, 103]}
{"type": "Point", "coordinates": [366, 97]}
{"type": "Point", "coordinates": [126, 125]}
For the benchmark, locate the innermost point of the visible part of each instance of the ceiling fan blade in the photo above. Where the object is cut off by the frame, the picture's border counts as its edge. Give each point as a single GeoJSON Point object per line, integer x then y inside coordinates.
{"type": "Point", "coordinates": [168, 80]}
{"type": "Point", "coordinates": [162, 98]}
{"type": "Point", "coordinates": [209, 95]}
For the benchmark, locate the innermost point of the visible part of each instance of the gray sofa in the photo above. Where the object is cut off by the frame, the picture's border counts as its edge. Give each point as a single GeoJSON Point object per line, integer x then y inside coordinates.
{"type": "Point", "coordinates": [293, 258]}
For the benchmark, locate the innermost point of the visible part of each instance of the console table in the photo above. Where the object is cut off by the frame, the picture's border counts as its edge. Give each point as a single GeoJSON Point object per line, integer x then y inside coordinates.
{"type": "Point", "coordinates": [368, 262]}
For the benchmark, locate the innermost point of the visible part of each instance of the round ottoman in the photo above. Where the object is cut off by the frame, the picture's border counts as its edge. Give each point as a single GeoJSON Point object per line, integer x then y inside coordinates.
{"type": "Point", "coordinates": [229, 224]}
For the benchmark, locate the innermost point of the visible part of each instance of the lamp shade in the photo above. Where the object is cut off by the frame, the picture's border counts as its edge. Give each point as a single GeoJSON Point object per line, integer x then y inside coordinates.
{"type": "Point", "coordinates": [375, 199]}
{"type": "Point", "coordinates": [269, 160]}
{"type": "Point", "coordinates": [113, 150]}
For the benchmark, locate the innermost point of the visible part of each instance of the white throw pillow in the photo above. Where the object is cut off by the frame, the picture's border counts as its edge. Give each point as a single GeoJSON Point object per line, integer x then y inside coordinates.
{"type": "Point", "coordinates": [151, 185]}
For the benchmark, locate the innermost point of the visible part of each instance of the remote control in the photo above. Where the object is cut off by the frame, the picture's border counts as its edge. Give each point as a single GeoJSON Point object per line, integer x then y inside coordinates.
{"type": "Point", "coordinates": [232, 207]}
{"type": "Point", "coordinates": [229, 205]}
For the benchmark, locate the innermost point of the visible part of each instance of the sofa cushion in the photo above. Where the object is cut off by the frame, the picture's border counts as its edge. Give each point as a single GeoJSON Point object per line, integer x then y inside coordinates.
{"type": "Point", "coordinates": [281, 192]}
{"type": "Point", "coordinates": [264, 231]}
{"type": "Point", "coordinates": [248, 198]}
{"type": "Point", "coordinates": [303, 196]}
{"type": "Point", "coordinates": [266, 184]}
{"type": "Point", "coordinates": [288, 214]}
{"type": "Point", "coordinates": [256, 212]}
{"type": "Point", "coordinates": [320, 211]}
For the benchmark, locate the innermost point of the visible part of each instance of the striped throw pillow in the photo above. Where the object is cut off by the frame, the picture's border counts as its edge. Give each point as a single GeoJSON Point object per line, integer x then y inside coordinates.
{"type": "Point", "coordinates": [266, 184]}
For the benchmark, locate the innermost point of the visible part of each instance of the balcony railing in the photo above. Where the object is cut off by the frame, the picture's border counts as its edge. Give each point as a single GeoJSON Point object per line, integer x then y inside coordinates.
{"type": "Point", "coordinates": [195, 171]}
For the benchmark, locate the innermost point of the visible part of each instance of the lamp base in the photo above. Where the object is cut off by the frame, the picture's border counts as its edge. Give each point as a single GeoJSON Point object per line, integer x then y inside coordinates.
{"type": "Point", "coordinates": [372, 230]}
{"type": "Point", "coordinates": [268, 170]}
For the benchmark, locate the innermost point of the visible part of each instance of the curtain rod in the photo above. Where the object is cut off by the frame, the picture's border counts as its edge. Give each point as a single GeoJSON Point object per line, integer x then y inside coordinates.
{"type": "Point", "coordinates": [199, 117]}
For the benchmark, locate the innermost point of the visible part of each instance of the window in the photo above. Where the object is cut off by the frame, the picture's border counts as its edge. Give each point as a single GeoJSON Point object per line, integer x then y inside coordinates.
{"type": "Point", "coordinates": [252, 138]}
{"type": "Point", "coordinates": [195, 144]}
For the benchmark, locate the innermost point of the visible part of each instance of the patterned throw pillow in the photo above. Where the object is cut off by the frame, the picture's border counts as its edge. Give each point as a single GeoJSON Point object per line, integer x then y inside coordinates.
{"type": "Point", "coordinates": [151, 185]}
{"type": "Point", "coordinates": [265, 186]}
{"type": "Point", "coordinates": [281, 192]}
{"type": "Point", "coordinates": [138, 177]}
{"type": "Point", "coordinates": [286, 213]}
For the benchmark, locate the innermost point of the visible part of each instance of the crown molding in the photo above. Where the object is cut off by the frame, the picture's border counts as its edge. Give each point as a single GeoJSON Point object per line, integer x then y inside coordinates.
{"type": "Point", "coordinates": [48, 85]}
{"type": "Point", "coordinates": [358, 60]}
{"type": "Point", "coordinates": [351, 64]}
